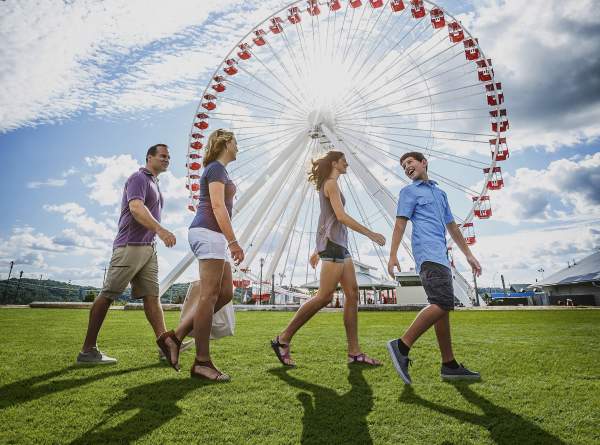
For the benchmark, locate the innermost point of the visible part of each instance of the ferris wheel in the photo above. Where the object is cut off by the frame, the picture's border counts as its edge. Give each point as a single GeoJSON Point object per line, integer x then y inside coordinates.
{"type": "Point", "coordinates": [373, 79]}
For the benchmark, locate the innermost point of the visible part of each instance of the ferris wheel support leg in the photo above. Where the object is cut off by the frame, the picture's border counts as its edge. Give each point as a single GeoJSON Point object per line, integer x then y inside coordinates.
{"type": "Point", "coordinates": [276, 213]}
{"type": "Point", "coordinates": [168, 281]}
{"type": "Point", "coordinates": [284, 156]}
{"type": "Point", "coordinates": [287, 231]}
{"type": "Point", "coordinates": [292, 154]}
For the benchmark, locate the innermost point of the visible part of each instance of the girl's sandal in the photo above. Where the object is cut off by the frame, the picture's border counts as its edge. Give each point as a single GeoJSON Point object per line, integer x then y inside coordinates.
{"type": "Point", "coordinates": [218, 377]}
{"type": "Point", "coordinates": [161, 341]}
{"type": "Point", "coordinates": [363, 359]}
{"type": "Point", "coordinates": [282, 351]}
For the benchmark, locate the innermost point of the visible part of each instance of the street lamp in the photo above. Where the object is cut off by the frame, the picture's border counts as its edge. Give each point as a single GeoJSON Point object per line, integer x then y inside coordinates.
{"type": "Point", "coordinates": [12, 263]}
{"type": "Point", "coordinates": [19, 284]}
{"type": "Point", "coordinates": [262, 263]}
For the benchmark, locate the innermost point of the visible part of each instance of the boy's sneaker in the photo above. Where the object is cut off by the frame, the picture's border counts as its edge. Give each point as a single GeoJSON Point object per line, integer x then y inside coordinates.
{"type": "Point", "coordinates": [399, 360]}
{"type": "Point", "coordinates": [184, 347]}
{"type": "Point", "coordinates": [460, 373]}
{"type": "Point", "coordinates": [94, 357]}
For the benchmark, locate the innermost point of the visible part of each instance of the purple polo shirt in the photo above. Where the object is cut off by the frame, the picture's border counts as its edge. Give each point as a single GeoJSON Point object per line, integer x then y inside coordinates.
{"type": "Point", "coordinates": [141, 185]}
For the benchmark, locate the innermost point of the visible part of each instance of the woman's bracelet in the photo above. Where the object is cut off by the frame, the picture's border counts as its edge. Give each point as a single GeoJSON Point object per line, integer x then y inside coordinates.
{"type": "Point", "coordinates": [233, 241]}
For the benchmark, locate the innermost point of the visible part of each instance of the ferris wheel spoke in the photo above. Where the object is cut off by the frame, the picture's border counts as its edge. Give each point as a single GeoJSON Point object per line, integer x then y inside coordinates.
{"type": "Point", "coordinates": [254, 93]}
{"type": "Point", "coordinates": [373, 69]}
{"type": "Point", "coordinates": [341, 33]}
{"type": "Point", "coordinates": [352, 40]}
{"type": "Point", "coordinates": [378, 192]}
{"type": "Point", "coordinates": [365, 220]}
{"type": "Point", "coordinates": [252, 117]}
{"type": "Point", "coordinates": [276, 78]}
{"type": "Point", "coordinates": [375, 42]}
{"type": "Point", "coordinates": [233, 101]}
{"type": "Point", "coordinates": [419, 79]}
{"type": "Point", "coordinates": [456, 159]}
{"type": "Point", "coordinates": [249, 136]}
{"type": "Point", "coordinates": [439, 93]}
{"type": "Point", "coordinates": [429, 129]}
{"type": "Point", "coordinates": [456, 185]}
{"type": "Point", "coordinates": [367, 38]}
{"type": "Point", "coordinates": [380, 88]}
{"type": "Point", "coordinates": [385, 52]}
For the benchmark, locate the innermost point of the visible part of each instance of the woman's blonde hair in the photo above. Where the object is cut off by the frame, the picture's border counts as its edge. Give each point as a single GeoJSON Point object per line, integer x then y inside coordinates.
{"type": "Point", "coordinates": [321, 167]}
{"type": "Point", "coordinates": [217, 142]}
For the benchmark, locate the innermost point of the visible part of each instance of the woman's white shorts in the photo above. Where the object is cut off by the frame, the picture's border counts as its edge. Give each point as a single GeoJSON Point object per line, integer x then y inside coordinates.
{"type": "Point", "coordinates": [207, 244]}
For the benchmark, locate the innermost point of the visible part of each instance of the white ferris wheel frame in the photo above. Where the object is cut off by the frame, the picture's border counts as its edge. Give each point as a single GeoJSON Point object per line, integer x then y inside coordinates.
{"type": "Point", "coordinates": [371, 184]}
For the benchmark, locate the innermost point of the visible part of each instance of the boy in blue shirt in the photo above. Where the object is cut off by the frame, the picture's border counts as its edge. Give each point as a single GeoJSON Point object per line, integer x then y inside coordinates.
{"type": "Point", "coordinates": [427, 207]}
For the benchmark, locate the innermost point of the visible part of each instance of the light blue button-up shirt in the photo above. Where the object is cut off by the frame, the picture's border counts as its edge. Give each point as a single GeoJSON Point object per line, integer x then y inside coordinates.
{"type": "Point", "coordinates": [426, 206]}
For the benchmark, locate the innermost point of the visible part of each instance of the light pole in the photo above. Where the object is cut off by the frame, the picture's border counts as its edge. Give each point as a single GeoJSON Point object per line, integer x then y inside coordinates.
{"type": "Point", "coordinates": [541, 270]}
{"type": "Point", "coordinates": [476, 290]}
{"type": "Point", "coordinates": [262, 263]}
{"type": "Point", "coordinates": [19, 284]}
{"type": "Point", "coordinates": [12, 263]}
{"type": "Point", "coordinates": [273, 288]}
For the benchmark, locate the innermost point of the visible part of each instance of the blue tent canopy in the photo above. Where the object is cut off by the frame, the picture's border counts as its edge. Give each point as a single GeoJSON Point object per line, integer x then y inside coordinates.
{"type": "Point", "coordinates": [498, 295]}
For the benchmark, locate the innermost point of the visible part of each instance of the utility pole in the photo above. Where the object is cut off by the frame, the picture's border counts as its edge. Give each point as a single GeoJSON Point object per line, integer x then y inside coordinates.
{"type": "Point", "coordinates": [12, 263]}
{"type": "Point", "coordinates": [19, 284]}
{"type": "Point", "coordinates": [273, 288]}
{"type": "Point", "coordinates": [476, 290]}
{"type": "Point", "coordinates": [262, 263]}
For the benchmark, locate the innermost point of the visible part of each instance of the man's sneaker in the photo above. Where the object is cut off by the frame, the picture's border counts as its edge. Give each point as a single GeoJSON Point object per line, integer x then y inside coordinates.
{"type": "Point", "coordinates": [94, 357]}
{"type": "Point", "coordinates": [460, 373]}
{"type": "Point", "coordinates": [184, 347]}
{"type": "Point", "coordinates": [400, 361]}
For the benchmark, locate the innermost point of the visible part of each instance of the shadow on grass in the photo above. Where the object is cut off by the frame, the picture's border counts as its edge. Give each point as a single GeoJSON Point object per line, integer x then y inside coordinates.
{"type": "Point", "coordinates": [153, 405]}
{"type": "Point", "coordinates": [329, 417]}
{"type": "Point", "coordinates": [33, 388]}
{"type": "Point", "coordinates": [504, 426]}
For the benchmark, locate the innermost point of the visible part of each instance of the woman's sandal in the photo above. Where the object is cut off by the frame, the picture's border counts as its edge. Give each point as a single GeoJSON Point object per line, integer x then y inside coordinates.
{"type": "Point", "coordinates": [284, 357]}
{"type": "Point", "coordinates": [363, 359]}
{"type": "Point", "coordinates": [161, 341]}
{"type": "Point", "coordinates": [219, 377]}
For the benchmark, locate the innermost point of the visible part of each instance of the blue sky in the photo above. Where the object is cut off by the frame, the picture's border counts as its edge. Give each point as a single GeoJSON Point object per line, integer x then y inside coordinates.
{"type": "Point", "coordinates": [86, 91]}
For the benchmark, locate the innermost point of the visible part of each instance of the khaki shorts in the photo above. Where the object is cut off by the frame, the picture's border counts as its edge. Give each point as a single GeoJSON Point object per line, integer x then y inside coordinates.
{"type": "Point", "coordinates": [132, 264]}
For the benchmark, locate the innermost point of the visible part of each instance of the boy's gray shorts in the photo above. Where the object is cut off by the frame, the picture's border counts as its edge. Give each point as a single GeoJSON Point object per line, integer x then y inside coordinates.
{"type": "Point", "coordinates": [437, 282]}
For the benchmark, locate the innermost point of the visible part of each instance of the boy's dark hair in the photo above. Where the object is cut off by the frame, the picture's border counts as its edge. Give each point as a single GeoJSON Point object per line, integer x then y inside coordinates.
{"type": "Point", "coordinates": [152, 150]}
{"type": "Point", "coordinates": [418, 156]}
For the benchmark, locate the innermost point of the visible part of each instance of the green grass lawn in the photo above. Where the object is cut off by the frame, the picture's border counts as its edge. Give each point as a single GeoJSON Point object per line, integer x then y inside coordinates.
{"type": "Point", "coordinates": [541, 383]}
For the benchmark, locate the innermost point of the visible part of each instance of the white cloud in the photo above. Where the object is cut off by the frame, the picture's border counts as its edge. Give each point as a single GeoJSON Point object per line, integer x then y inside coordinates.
{"type": "Point", "coordinates": [75, 214]}
{"type": "Point", "coordinates": [106, 187]}
{"type": "Point", "coordinates": [48, 183]}
{"type": "Point", "coordinates": [566, 189]}
{"type": "Point", "coordinates": [111, 57]}
{"type": "Point", "coordinates": [545, 53]}
{"type": "Point", "coordinates": [518, 255]}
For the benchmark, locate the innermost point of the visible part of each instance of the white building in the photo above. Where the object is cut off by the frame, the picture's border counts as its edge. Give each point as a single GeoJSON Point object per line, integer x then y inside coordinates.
{"type": "Point", "coordinates": [579, 283]}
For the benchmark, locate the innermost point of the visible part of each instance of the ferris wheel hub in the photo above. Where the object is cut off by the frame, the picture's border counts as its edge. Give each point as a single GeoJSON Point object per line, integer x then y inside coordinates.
{"type": "Point", "coordinates": [320, 116]}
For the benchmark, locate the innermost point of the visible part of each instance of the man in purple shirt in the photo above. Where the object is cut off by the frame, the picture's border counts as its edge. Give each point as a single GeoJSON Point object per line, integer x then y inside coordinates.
{"type": "Point", "coordinates": [134, 254]}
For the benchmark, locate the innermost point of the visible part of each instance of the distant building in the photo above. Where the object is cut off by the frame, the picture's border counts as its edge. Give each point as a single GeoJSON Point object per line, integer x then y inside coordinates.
{"type": "Point", "coordinates": [520, 287]}
{"type": "Point", "coordinates": [410, 289]}
{"type": "Point", "coordinates": [578, 284]}
{"type": "Point", "coordinates": [372, 290]}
